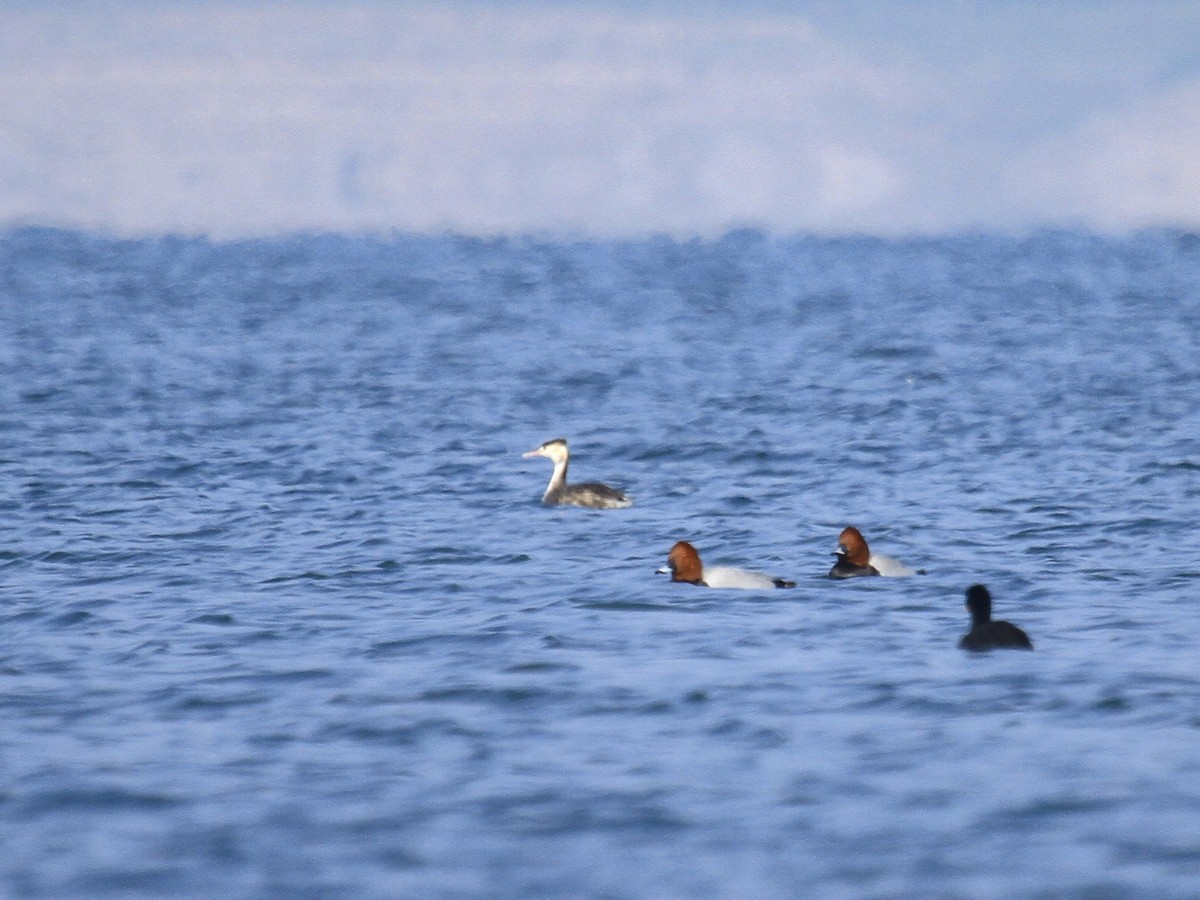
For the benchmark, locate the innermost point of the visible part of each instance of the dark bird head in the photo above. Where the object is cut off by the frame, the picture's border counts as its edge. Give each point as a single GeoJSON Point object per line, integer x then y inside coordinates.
{"type": "Point", "coordinates": [979, 602]}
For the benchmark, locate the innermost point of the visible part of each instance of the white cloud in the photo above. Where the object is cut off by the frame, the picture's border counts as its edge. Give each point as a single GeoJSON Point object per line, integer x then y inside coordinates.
{"type": "Point", "coordinates": [248, 117]}
{"type": "Point", "coordinates": [1136, 166]}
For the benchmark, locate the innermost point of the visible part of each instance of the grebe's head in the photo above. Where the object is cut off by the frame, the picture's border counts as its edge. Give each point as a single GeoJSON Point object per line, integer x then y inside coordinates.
{"type": "Point", "coordinates": [554, 450]}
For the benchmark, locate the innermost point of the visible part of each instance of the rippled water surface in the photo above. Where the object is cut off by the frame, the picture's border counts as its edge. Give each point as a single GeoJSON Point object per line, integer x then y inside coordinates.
{"type": "Point", "coordinates": [282, 615]}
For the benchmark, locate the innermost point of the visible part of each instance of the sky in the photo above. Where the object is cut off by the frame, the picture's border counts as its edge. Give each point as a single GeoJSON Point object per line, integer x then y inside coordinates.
{"type": "Point", "coordinates": [246, 118]}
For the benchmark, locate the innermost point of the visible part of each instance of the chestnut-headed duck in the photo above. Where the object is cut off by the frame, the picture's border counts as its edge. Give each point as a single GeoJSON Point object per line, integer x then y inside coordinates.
{"type": "Point", "coordinates": [683, 564]}
{"type": "Point", "coordinates": [986, 633]}
{"type": "Point", "coordinates": [558, 492]}
{"type": "Point", "coordinates": [855, 558]}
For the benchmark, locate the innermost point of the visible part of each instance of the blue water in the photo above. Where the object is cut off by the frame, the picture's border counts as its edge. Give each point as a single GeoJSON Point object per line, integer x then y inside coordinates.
{"type": "Point", "coordinates": [282, 615]}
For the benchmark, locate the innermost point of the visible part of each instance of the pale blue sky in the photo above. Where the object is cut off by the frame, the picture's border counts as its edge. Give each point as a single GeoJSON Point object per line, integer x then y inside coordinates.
{"type": "Point", "coordinates": [238, 118]}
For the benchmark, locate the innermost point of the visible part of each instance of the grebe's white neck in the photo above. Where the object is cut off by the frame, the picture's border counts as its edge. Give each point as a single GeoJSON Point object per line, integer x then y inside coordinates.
{"type": "Point", "coordinates": [558, 479]}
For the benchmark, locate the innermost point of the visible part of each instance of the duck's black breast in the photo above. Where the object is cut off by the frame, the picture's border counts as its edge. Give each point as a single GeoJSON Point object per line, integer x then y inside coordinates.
{"type": "Point", "coordinates": [844, 569]}
{"type": "Point", "coordinates": [995, 635]}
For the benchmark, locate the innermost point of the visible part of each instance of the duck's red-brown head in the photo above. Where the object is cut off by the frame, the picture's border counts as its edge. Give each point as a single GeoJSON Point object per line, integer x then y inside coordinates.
{"type": "Point", "coordinates": [684, 563]}
{"type": "Point", "coordinates": [852, 547]}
